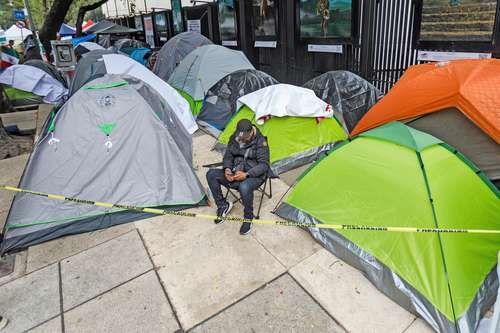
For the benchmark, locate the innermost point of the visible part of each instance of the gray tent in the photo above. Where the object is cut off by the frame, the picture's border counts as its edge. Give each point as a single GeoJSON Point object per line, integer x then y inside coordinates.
{"type": "Point", "coordinates": [220, 103]}
{"type": "Point", "coordinates": [101, 25]}
{"type": "Point", "coordinates": [129, 43]}
{"type": "Point", "coordinates": [203, 68]}
{"type": "Point", "coordinates": [349, 95]}
{"type": "Point", "coordinates": [85, 47]}
{"type": "Point", "coordinates": [176, 49]}
{"type": "Point", "coordinates": [90, 66]}
{"type": "Point", "coordinates": [454, 128]}
{"type": "Point", "coordinates": [114, 141]}
{"type": "Point", "coordinates": [49, 69]}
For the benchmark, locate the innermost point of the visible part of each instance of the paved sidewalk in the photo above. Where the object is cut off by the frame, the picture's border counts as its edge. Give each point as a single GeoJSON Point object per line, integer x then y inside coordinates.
{"type": "Point", "coordinates": [169, 274]}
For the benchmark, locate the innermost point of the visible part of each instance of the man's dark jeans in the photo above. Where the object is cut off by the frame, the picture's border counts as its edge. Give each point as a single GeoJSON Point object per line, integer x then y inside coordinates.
{"type": "Point", "coordinates": [216, 178]}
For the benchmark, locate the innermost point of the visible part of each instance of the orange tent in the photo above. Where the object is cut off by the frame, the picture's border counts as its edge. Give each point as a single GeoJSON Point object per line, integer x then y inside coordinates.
{"type": "Point", "coordinates": [471, 86]}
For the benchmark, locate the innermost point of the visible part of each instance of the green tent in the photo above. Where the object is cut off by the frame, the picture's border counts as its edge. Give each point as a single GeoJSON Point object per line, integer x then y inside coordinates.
{"type": "Point", "coordinates": [293, 141]}
{"type": "Point", "coordinates": [397, 176]}
{"type": "Point", "coordinates": [20, 97]}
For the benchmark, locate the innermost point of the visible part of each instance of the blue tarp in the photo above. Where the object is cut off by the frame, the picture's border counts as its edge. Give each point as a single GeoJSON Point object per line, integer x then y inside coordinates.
{"type": "Point", "coordinates": [66, 30]}
{"type": "Point", "coordinates": [139, 55]}
{"type": "Point", "coordinates": [76, 41]}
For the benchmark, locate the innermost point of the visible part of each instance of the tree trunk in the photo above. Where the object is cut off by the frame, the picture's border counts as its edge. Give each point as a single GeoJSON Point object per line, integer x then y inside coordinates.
{"type": "Point", "coordinates": [81, 14]}
{"type": "Point", "coordinates": [52, 23]}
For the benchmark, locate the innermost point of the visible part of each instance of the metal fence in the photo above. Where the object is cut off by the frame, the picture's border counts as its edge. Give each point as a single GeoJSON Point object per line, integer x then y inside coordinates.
{"type": "Point", "coordinates": [383, 46]}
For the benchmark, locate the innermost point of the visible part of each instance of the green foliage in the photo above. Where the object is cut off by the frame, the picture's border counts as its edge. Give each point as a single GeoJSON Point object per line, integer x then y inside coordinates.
{"type": "Point", "coordinates": [6, 12]}
{"type": "Point", "coordinates": [39, 8]}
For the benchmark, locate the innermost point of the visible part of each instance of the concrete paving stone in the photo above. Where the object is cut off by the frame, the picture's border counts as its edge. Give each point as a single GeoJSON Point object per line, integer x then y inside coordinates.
{"type": "Point", "coordinates": [137, 306]}
{"type": "Point", "coordinates": [163, 232]}
{"type": "Point", "coordinates": [7, 264]}
{"type": "Point", "coordinates": [289, 245]}
{"type": "Point", "coordinates": [11, 172]}
{"type": "Point", "coordinates": [53, 251]}
{"type": "Point", "coordinates": [12, 168]}
{"type": "Point", "coordinates": [19, 267]}
{"type": "Point", "coordinates": [348, 296]}
{"type": "Point", "coordinates": [281, 306]}
{"type": "Point", "coordinates": [31, 299]}
{"type": "Point", "coordinates": [212, 271]}
{"type": "Point", "coordinates": [52, 326]}
{"type": "Point", "coordinates": [6, 197]}
{"type": "Point", "coordinates": [203, 154]}
{"type": "Point", "coordinates": [3, 219]}
{"type": "Point", "coordinates": [103, 267]}
{"type": "Point", "coordinates": [419, 326]}
{"type": "Point", "coordinates": [43, 112]}
{"type": "Point", "coordinates": [291, 176]}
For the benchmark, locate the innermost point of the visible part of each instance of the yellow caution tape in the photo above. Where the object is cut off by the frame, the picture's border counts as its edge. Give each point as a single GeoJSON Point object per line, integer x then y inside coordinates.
{"type": "Point", "coordinates": [157, 211]}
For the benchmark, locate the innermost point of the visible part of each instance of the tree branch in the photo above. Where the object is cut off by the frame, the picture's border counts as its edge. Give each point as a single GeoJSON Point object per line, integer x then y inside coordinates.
{"type": "Point", "coordinates": [81, 14]}
{"type": "Point", "coordinates": [52, 23]}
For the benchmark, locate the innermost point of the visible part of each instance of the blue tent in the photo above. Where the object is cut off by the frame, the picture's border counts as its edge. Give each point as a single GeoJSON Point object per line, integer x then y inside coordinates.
{"type": "Point", "coordinates": [76, 41]}
{"type": "Point", "coordinates": [138, 54]}
{"type": "Point", "coordinates": [66, 30]}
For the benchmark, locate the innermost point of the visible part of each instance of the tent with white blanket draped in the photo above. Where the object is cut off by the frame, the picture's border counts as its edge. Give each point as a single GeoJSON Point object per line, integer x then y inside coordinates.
{"type": "Point", "coordinates": [298, 125]}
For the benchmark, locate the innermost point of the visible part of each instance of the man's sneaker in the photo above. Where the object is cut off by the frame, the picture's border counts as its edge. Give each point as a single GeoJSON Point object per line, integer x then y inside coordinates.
{"type": "Point", "coordinates": [222, 212]}
{"type": "Point", "coordinates": [245, 228]}
{"type": "Point", "coordinates": [3, 322]}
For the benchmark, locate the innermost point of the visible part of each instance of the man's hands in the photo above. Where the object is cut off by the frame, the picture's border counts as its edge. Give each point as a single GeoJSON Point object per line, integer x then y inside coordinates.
{"type": "Point", "coordinates": [229, 174]}
{"type": "Point", "coordinates": [237, 177]}
{"type": "Point", "coordinates": [240, 176]}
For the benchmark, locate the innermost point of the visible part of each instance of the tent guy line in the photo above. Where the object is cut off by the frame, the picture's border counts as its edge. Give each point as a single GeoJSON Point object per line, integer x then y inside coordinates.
{"type": "Point", "coordinates": [238, 219]}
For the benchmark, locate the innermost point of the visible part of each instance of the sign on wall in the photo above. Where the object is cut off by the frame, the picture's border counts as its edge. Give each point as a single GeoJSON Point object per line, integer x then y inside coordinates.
{"type": "Point", "coordinates": [447, 56]}
{"type": "Point", "coordinates": [265, 15]}
{"type": "Point", "coordinates": [325, 48]}
{"type": "Point", "coordinates": [138, 23]}
{"type": "Point", "coordinates": [458, 20]}
{"type": "Point", "coordinates": [149, 30]}
{"type": "Point", "coordinates": [325, 18]}
{"type": "Point", "coordinates": [194, 25]}
{"type": "Point", "coordinates": [161, 26]}
{"type": "Point", "coordinates": [227, 21]}
{"type": "Point", "coordinates": [177, 16]}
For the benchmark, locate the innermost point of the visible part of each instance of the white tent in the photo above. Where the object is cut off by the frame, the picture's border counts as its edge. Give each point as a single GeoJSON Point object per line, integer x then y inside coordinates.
{"type": "Point", "coordinates": [120, 64]}
{"type": "Point", "coordinates": [17, 34]}
{"type": "Point", "coordinates": [282, 100]}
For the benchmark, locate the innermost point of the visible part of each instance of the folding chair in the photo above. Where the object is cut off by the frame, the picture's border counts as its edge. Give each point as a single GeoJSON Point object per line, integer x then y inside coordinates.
{"type": "Point", "coordinates": [265, 188]}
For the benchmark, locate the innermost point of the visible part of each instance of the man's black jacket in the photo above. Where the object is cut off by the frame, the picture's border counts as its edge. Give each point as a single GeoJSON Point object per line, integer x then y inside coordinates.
{"type": "Point", "coordinates": [252, 158]}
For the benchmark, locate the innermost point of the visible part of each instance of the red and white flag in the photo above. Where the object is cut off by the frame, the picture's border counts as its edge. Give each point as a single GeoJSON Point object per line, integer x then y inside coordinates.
{"type": "Point", "coordinates": [7, 58]}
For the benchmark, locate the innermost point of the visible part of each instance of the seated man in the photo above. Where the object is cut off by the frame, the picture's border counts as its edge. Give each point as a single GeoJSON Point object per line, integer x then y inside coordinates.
{"type": "Point", "coordinates": [245, 166]}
